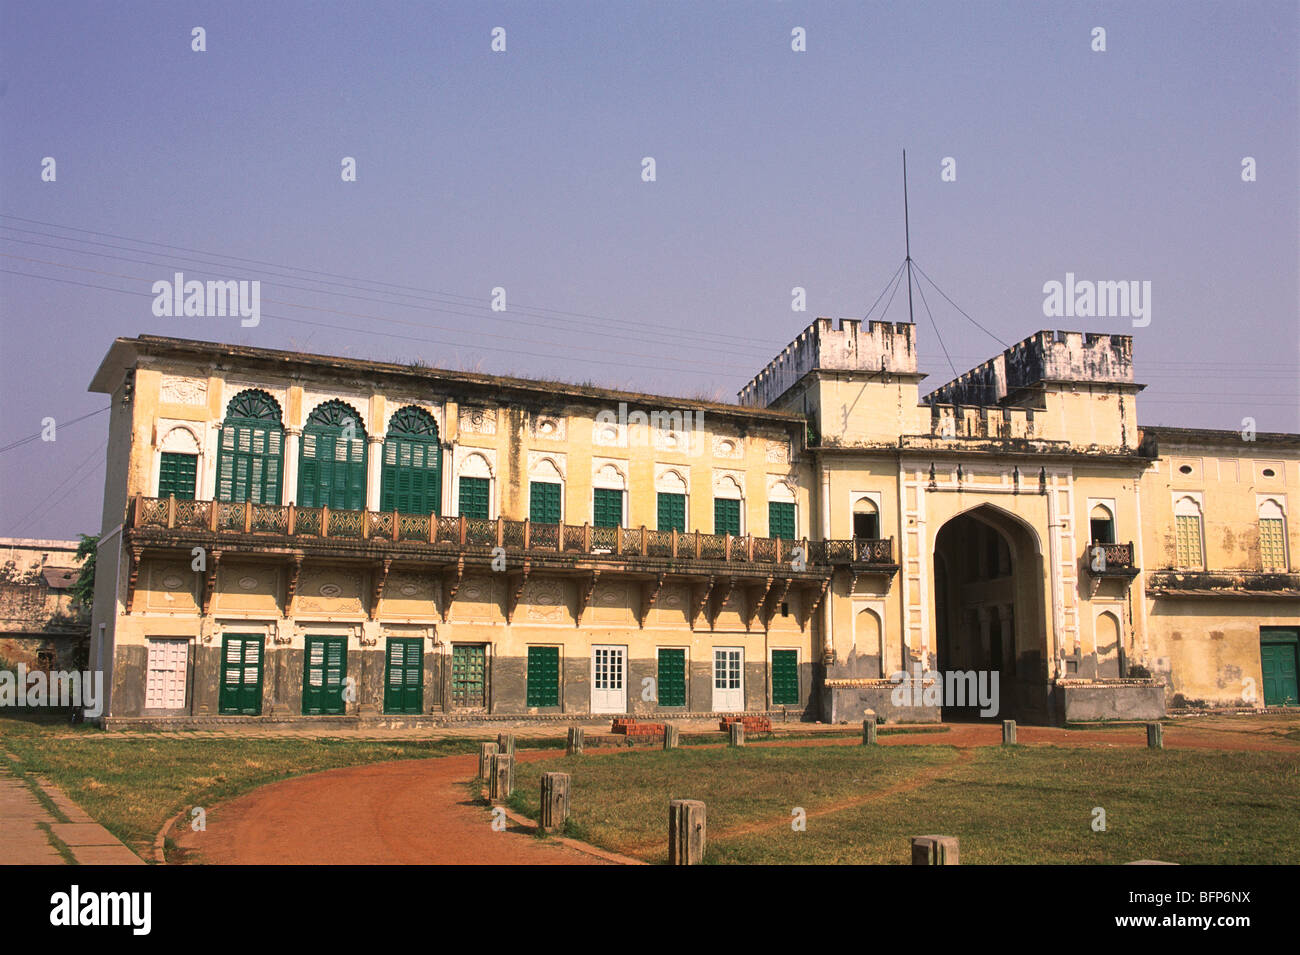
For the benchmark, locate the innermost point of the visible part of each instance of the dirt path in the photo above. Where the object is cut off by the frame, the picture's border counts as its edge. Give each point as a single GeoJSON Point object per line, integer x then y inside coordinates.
{"type": "Point", "coordinates": [409, 812]}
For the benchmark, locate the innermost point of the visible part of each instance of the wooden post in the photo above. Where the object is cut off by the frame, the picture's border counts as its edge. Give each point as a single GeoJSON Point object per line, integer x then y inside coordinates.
{"type": "Point", "coordinates": [672, 736]}
{"type": "Point", "coordinates": [555, 801]}
{"type": "Point", "coordinates": [1155, 736]}
{"type": "Point", "coordinates": [869, 731]}
{"type": "Point", "coordinates": [1008, 732]}
{"type": "Point", "coordinates": [528, 533]}
{"type": "Point", "coordinates": [171, 511]}
{"type": "Point", "coordinates": [737, 734]}
{"type": "Point", "coordinates": [248, 517]}
{"type": "Point", "coordinates": [674, 532]}
{"type": "Point", "coordinates": [292, 521]}
{"type": "Point", "coordinates": [573, 746]}
{"type": "Point", "coordinates": [500, 532]}
{"type": "Point", "coordinates": [644, 540]}
{"type": "Point", "coordinates": [324, 520]}
{"type": "Point", "coordinates": [397, 523]}
{"type": "Point", "coordinates": [501, 781]}
{"type": "Point", "coordinates": [506, 744]}
{"type": "Point", "coordinates": [935, 850]}
{"type": "Point", "coordinates": [433, 528]}
{"type": "Point", "coordinates": [485, 753]}
{"type": "Point", "coordinates": [686, 832]}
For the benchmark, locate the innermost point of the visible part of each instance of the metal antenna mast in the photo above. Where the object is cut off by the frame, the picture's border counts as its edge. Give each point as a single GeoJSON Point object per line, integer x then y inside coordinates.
{"type": "Point", "coordinates": [907, 233]}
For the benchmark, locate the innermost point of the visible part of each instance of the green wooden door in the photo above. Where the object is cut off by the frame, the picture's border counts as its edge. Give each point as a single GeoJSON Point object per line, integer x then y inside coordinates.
{"type": "Point", "coordinates": [607, 507]}
{"type": "Point", "coordinates": [1277, 653]}
{"type": "Point", "coordinates": [469, 675]}
{"type": "Point", "coordinates": [474, 493]}
{"type": "Point", "coordinates": [325, 670]}
{"type": "Point", "coordinates": [248, 465]}
{"type": "Point", "coordinates": [672, 512]}
{"type": "Point", "coordinates": [332, 471]}
{"type": "Point", "coordinates": [241, 674]}
{"type": "Point", "coordinates": [176, 474]}
{"type": "Point", "coordinates": [544, 676]}
{"type": "Point", "coordinates": [785, 677]}
{"type": "Point", "coordinates": [672, 676]}
{"type": "Point", "coordinates": [544, 502]}
{"type": "Point", "coordinates": [404, 678]}
{"type": "Point", "coordinates": [780, 519]}
{"type": "Point", "coordinates": [726, 516]}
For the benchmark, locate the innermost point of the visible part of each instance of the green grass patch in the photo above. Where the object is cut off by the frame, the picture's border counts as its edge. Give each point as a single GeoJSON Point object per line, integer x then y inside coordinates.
{"type": "Point", "coordinates": [132, 784]}
{"type": "Point", "coordinates": [1017, 805]}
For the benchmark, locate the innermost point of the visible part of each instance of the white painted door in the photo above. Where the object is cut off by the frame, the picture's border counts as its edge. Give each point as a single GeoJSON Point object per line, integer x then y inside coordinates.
{"type": "Point", "coordinates": [165, 680]}
{"type": "Point", "coordinates": [609, 679]}
{"type": "Point", "coordinates": [728, 680]}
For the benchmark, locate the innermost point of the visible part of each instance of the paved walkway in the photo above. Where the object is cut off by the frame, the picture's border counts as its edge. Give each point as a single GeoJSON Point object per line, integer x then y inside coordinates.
{"type": "Point", "coordinates": [33, 834]}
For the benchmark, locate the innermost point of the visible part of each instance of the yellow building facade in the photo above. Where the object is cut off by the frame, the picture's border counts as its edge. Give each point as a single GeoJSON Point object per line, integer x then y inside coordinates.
{"type": "Point", "coordinates": [292, 536]}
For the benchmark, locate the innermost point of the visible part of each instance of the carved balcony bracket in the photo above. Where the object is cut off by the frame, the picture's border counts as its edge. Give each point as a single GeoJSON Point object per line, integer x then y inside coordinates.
{"type": "Point", "coordinates": [702, 601]}
{"type": "Point", "coordinates": [379, 580]}
{"type": "Point", "coordinates": [450, 584]}
{"type": "Point", "coordinates": [291, 589]}
{"type": "Point", "coordinates": [584, 596]}
{"type": "Point", "coordinates": [777, 597]}
{"type": "Point", "coordinates": [649, 595]}
{"type": "Point", "coordinates": [757, 600]}
{"type": "Point", "coordinates": [723, 595]}
{"type": "Point", "coordinates": [133, 574]}
{"type": "Point", "coordinates": [210, 580]}
{"type": "Point", "coordinates": [515, 590]}
{"type": "Point", "coordinates": [819, 593]}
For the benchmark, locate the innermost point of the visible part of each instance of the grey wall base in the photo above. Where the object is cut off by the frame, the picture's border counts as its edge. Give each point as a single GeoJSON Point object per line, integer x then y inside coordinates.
{"type": "Point", "coordinates": [850, 704]}
{"type": "Point", "coordinates": [1081, 704]}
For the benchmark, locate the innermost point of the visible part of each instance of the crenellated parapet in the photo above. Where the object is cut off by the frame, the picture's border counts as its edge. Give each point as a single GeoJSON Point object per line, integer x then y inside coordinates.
{"type": "Point", "coordinates": [853, 346]}
{"type": "Point", "coordinates": [1046, 356]}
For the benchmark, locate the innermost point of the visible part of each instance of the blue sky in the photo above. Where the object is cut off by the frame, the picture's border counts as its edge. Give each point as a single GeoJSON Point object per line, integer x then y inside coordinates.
{"type": "Point", "coordinates": [522, 169]}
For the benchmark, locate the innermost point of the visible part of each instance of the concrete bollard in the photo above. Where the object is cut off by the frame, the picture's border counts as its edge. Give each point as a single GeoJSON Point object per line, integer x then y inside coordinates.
{"type": "Point", "coordinates": [869, 731]}
{"type": "Point", "coordinates": [1155, 736]}
{"type": "Point", "coordinates": [935, 850]}
{"type": "Point", "coordinates": [737, 737]}
{"type": "Point", "coordinates": [1008, 732]}
{"type": "Point", "coordinates": [672, 736]}
{"type": "Point", "coordinates": [485, 753]}
{"type": "Point", "coordinates": [555, 801]}
{"type": "Point", "coordinates": [686, 832]}
{"type": "Point", "coordinates": [501, 781]}
{"type": "Point", "coordinates": [573, 746]}
{"type": "Point", "coordinates": [506, 744]}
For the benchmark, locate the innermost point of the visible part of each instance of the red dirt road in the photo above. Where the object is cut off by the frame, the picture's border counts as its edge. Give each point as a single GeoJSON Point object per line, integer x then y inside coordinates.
{"type": "Point", "coordinates": [409, 812]}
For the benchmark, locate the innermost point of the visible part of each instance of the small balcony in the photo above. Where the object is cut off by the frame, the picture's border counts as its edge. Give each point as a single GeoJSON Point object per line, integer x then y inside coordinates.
{"type": "Point", "coordinates": [1110, 560]}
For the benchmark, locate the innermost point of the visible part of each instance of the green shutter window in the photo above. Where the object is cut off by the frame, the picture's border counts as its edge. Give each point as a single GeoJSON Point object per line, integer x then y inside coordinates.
{"type": "Point", "coordinates": [780, 519]}
{"type": "Point", "coordinates": [785, 677]}
{"type": "Point", "coordinates": [241, 674]}
{"type": "Point", "coordinates": [324, 673]}
{"type": "Point", "coordinates": [672, 512]}
{"type": "Point", "coordinates": [410, 479]}
{"type": "Point", "coordinates": [474, 495]}
{"type": "Point", "coordinates": [726, 516]}
{"type": "Point", "coordinates": [543, 676]}
{"type": "Point", "coordinates": [332, 461]}
{"type": "Point", "coordinates": [672, 677]}
{"type": "Point", "coordinates": [544, 502]}
{"type": "Point", "coordinates": [250, 450]}
{"type": "Point", "coordinates": [176, 476]}
{"type": "Point", "coordinates": [607, 507]}
{"type": "Point", "coordinates": [404, 676]}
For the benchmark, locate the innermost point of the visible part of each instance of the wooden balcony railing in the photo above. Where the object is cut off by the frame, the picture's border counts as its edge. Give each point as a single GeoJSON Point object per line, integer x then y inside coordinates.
{"type": "Point", "coordinates": [464, 533]}
{"type": "Point", "coordinates": [1118, 558]}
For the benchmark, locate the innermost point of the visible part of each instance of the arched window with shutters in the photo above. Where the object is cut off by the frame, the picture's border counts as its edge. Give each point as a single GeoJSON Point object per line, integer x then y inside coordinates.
{"type": "Point", "coordinates": [251, 457]}
{"type": "Point", "coordinates": [411, 476]}
{"type": "Point", "coordinates": [332, 462]}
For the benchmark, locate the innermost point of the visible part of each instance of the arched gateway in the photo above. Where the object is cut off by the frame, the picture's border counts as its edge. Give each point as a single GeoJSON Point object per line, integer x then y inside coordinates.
{"type": "Point", "coordinates": [989, 616]}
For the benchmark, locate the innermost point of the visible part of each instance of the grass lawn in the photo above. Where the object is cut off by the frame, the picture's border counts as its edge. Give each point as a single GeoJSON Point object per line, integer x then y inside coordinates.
{"type": "Point", "coordinates": [134, 783]}
{"type": "Point", "coordinates": [1017, 805]}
